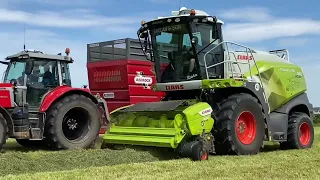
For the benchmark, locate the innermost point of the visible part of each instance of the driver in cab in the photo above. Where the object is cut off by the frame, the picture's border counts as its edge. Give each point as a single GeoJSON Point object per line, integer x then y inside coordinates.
{"type": "Point", "coordinates": [47, 76]}
{"type": "Point", "coordinates": [189, 62]}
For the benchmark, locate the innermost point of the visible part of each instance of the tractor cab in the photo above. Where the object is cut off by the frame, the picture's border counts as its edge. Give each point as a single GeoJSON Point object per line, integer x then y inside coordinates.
{"type": "Point", "coordinates": [34, 74]}
{"type": "Point", "coordinates": [179, 44]}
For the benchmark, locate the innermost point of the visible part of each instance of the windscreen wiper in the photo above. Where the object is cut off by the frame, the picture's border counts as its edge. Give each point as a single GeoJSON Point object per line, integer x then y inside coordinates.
{"type": "Point", "coordinates": [206, 46]}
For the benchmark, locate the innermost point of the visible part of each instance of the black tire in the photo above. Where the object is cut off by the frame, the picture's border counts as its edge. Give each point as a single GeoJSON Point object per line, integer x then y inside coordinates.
{"type": "Point", "coordinates": [199, 153]}
{"type": "Point", "coordinates": [30, 144]}
{"type": "Point", "coordinates": [226, 115]}
{"type": "Point", "coordinates": [72, 107]}
{"type": "Point", "coordinates": [299, 123]}
{"type": "Point", "coordinates": [3, 131]}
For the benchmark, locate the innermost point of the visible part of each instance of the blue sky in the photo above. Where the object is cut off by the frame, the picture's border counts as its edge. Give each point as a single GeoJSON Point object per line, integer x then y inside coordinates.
{"type": "Point", "coordinates": [53, 25]}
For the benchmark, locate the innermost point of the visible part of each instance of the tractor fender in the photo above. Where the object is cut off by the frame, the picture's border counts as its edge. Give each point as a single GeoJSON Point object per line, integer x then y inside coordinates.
{"type": "Point", "coordinates": [62, 91]}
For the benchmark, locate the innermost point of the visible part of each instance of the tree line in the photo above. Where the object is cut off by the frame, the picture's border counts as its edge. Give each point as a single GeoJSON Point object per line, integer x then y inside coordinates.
{"type": "Point", "coordinates": [316, 118]}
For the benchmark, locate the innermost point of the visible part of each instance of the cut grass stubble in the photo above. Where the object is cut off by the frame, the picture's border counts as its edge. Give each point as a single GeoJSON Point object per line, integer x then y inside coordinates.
{"type": "Point", "coordinates": [102, 163]}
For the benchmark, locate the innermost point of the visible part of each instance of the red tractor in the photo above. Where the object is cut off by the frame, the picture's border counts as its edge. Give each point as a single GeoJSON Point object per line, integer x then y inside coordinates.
{"type": "Point", "coordinates": [39, 106]}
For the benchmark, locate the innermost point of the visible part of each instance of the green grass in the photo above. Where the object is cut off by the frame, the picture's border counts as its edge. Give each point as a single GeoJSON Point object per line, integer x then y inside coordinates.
{"type": "Point", "coordinates": [135, 164]}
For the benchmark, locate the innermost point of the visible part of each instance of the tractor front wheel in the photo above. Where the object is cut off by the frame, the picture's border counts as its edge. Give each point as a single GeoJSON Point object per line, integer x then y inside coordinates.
{"type": "Point", "coordinates": [72, 122]}
{"type": "Point", "coordinates": [3, 131]}
{"type": "Point", "coordinates": [239, 127]}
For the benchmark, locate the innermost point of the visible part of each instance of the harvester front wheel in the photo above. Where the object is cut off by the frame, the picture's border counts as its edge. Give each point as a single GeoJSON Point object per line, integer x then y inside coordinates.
{"type": "Point", "coordinates": [239, 126]}
{"type": "Point", "coordinates": [199, 153]}
{"type": "Point", "coordinates": [72, 122]}
{"type": "Point", "coordinates": [300, 132]}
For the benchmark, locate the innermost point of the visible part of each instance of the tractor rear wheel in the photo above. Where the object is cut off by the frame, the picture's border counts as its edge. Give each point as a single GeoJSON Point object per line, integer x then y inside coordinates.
{"type": "Point", "coordinates": [300, 132]}
{"type": "Point", "coordinates": [72, 122]}
{"type": "Point", "coordinates": [239, 125]}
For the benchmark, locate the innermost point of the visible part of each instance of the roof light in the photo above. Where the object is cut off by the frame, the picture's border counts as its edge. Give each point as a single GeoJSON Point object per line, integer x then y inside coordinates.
{"type": "Point", "coordinates": [192, 12]}
{"type": "Point", "coordinates": [67, 51]}
{"type": "Point", "coordinates": [143, 22]}
{"type": "Point", "coordinates": [210, 19]}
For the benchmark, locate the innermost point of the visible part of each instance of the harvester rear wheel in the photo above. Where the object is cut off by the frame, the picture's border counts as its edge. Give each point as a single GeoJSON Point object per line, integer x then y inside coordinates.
{"type": "Point", "coordinates": [239, 127]}
{"type": "Point", "coordinates": [72, 122]}
{"type": "Point", "coordinates": [300, 132]}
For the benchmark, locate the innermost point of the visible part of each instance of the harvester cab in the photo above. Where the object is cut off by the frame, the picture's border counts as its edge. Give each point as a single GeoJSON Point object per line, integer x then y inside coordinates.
{"type": "Point", "coordinates": [39, 107]}
{"type": "Point", "coordinates": [183, 42]}
{"type": "Point", "coordinates": [218, 99]}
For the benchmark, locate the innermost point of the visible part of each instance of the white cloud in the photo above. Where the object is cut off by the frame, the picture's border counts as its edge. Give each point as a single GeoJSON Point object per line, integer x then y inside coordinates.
{"type": "Point", "coordinates": [65, 19]}
{"type": "Point", "coordinates": [293, 42]}
{"type": "Point", "coordinates": [258, 31]}
{"type": "Point", "coordinates": [261, 25]}
{"type": "Point", "coordinates": [56, 2]}
{"type": "Point", "coordinates": [247, 13]}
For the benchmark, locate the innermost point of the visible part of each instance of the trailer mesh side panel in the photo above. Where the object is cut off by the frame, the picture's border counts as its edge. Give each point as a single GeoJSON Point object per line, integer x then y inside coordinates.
{"type": "Point", "coordinates": [123, 49]}
{"type": "Point", "coordinates": [115, 50]}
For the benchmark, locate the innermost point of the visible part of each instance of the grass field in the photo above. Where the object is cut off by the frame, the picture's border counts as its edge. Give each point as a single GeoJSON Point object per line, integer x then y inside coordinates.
{"type": "Point", "coordinates": [17, 163]}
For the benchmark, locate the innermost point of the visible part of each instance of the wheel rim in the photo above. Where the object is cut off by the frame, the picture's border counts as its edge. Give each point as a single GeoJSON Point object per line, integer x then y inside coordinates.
{"type": "Point", "coordinates": [246, 127]}
{"type": "Point", "coordinates": [305, 133]}
{"type": "Point", "coordinates": [75, 124]}
{"type": "Point", "coordinates": [204, 155]}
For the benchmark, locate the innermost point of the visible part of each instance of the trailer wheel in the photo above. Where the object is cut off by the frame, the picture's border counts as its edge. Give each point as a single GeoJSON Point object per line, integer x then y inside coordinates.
{"type": "Point", "coordinates": [239, 127]}
{"type": "Point", "coordinates": [72, 122]}
{"type": "Point", "coordinates": [300, 132]}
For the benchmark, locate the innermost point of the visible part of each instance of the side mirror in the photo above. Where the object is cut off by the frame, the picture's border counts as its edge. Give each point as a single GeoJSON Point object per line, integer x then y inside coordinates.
{"type": "Point", "coordinates": [214, 31]}
{"type": "Point", "coordinates": [29, 66]}
{"type": "Point", "coordinates": [143, 35]}
{"type": "Point", "coordinates": [194, 40]}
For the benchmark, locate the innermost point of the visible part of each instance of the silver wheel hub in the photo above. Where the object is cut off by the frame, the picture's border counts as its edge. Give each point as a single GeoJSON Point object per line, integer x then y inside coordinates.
{"type": "Point", "coordinates": [72, 124]}
{"type": "Point", "coordinates": [241, 127]}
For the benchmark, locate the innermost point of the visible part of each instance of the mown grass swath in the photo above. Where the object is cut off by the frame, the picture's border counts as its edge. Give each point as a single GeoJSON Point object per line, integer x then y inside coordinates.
{"type": "Point", "coordinates": [140, 164]}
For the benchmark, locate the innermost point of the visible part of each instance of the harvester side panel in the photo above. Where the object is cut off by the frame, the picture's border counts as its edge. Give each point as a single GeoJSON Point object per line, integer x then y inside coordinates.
{"type": "Point", "coordinates": [281, 81]}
